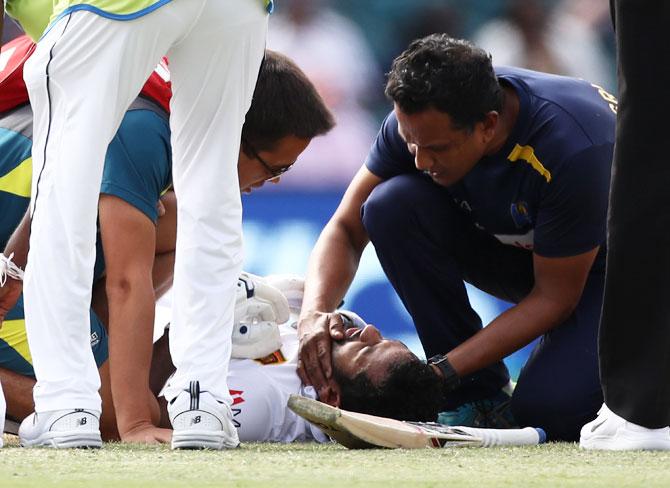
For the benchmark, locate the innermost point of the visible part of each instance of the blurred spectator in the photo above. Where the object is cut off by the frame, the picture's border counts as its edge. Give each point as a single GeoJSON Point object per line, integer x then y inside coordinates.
{"type": "Point", "coordinates": [424, 21]}
{"type": "Point", "coordinates": [334, 53]}
{"type": "Point", "coordinates": [562, 39]}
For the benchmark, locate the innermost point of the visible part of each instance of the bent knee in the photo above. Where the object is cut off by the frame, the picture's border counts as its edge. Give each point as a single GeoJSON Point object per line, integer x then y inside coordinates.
{"type": "Point", "coordinates": [399, 201]}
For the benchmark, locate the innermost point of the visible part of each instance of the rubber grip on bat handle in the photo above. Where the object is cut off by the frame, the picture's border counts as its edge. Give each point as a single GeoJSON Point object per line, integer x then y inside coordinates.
{"type": "Point", "coordinates": [509, 437]}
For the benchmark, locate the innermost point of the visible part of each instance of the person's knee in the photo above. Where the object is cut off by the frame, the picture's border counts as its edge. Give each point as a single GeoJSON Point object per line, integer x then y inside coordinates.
{"type": "Point", "coordinates": [395, 204]}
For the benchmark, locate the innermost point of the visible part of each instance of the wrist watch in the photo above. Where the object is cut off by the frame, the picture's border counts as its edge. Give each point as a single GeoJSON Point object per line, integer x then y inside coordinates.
{"type": "Point", "coordinates": [451, 378]}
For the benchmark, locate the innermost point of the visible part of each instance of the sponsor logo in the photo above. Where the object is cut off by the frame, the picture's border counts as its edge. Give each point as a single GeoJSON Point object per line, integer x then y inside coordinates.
{"type": "Point", "coordinates": [237, 400]}
{"type": "Point", "coordinates": [520, 214]}
{"type": "Point", "coordinates": [95, 339]}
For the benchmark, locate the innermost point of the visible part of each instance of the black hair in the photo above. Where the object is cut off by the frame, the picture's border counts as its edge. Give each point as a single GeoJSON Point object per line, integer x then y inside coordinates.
{"type": "Point", "coordinates": [450, 75]}
{"type": "Point", "coordinates": [285, 102]}
{"type": "Point", "coordinates": [411, 390]}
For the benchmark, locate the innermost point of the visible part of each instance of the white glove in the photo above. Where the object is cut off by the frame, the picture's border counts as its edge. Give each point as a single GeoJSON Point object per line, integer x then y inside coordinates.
{"type": "Point", "coordinates": [259, 308]}
{"type": "Point", "coordinates": [291, 286]}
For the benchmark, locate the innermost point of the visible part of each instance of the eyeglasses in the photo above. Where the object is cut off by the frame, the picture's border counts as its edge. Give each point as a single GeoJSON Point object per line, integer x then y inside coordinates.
{"type": "Point", "coordinates": [273, 170]}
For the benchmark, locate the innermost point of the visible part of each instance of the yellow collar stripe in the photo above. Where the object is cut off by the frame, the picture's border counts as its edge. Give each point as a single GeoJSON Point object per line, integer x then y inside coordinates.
{"type": "Point", "coordinates": [527, 154]}
{"type": "Point", "coordinates": [18, 180]}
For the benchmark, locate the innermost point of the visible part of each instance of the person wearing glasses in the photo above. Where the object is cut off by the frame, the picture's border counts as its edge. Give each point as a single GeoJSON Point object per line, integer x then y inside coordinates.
{"type": "Point", "coordinates": [285, 115]}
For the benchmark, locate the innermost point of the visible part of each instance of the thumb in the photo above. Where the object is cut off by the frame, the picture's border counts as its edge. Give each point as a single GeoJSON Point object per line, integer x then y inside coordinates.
{"type": "Point", "coordinates": [336, 327]}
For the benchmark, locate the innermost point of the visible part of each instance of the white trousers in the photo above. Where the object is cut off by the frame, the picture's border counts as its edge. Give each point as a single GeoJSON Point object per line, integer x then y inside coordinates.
{"type": "Point", "coordinates": [83, 76]}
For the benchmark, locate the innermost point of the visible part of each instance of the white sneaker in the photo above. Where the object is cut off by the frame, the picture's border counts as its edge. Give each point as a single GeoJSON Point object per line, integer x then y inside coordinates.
{"type": "Point", "coordinates": [613, 433]}
{"type": "Point", "coordinates": [61, 429]}
{"type": "Point", "coordinates": [200, 421]}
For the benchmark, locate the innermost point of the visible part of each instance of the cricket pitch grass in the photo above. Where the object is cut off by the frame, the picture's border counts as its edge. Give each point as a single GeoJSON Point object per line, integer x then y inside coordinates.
{"type": "Point", "coordinates": [312, 465]}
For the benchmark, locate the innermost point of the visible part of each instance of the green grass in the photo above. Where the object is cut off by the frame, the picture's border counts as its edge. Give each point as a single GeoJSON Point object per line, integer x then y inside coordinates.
{"type": "Point", "coordinates": [309, 465]}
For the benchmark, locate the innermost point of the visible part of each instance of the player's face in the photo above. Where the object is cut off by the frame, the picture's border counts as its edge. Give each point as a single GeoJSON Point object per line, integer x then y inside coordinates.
{"type": "Point", "coordinates": [253, 173]}
{"type": "Point", "coordinates": [441, 150]}
{"type": "Point", "coordinates": [365, 350]}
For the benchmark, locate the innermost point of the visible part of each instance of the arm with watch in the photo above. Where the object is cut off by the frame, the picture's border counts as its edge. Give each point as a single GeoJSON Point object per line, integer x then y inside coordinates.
{"type": "Point", "coordinates": [559, 283]}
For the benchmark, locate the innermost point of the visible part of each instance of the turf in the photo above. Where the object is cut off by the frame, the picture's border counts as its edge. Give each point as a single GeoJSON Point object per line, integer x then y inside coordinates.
{"type": "Point", "coordinates": [298, 465]}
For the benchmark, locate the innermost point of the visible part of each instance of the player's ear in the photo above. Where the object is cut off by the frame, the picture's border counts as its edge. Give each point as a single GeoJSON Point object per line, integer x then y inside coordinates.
{"type": "Point", "coordinates": [489, 125]}
{"type": "Point", "coordinates": [332, 396]}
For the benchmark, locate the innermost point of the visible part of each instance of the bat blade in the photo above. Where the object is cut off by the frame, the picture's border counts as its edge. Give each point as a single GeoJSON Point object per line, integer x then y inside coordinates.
{"type": "Point", "coordinates": [327, 419]}
{"type": "Point", "coordinates": [361, 431]}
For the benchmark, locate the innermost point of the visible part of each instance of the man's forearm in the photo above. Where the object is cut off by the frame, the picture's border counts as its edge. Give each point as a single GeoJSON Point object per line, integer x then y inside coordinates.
{"type": "Point", "coordinates": [131, 310]}
{"type": "Point", "coordinates": [332, 267]}
{"type": "Point", "coordinates": [509, 332]}
{"type": "Point", "coordinates": [161, 364]}
{"type": "Point", "coordinates": [19, 242]}
{"type": "Point", "coordinates": [163, 273]}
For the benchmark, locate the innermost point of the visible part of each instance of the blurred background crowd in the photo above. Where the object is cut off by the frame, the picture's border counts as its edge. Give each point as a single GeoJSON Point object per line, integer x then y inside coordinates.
{"type": "Point", "coordinates": [345, 47]}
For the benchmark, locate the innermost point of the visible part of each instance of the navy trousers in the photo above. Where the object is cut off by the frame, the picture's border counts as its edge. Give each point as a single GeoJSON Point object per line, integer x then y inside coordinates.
{"type": "Point", "coordinates": [427, 248]}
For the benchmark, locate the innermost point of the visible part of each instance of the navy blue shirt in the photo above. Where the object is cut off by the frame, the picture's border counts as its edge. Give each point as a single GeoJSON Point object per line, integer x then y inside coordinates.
{"type": "Point", "coordinates": [547, 189]}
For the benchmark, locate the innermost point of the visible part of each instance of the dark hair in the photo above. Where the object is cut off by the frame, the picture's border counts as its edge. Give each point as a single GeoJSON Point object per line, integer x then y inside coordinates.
{"type": "Point", "coordinates": [410, 391]}
{"type": "Point", "coordinates": [284, 103]}
{"type": "Point", "coordinates": [450, 75]}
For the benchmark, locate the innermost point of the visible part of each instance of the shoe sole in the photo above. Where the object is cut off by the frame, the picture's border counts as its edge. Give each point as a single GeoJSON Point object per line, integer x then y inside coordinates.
{"type": "Point", "coordinates": [197, 439]}
{"type": "Point", "coordinates": [65, 440]}
{"type": "Point", "coordinates": [621, 442]}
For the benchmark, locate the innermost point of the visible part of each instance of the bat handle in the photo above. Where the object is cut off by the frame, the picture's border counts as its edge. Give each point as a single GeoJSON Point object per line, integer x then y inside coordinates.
{"type": "Point", "coordinates": [508, 437]}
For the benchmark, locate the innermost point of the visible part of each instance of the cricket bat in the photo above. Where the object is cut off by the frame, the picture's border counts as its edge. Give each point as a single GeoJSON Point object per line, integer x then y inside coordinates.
{"type": "Point", "coordinates": [361, 431]}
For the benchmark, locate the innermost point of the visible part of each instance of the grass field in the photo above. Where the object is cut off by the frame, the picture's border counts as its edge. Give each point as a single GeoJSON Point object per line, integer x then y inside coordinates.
{"type": "Point", "coordinates": [298, 465]}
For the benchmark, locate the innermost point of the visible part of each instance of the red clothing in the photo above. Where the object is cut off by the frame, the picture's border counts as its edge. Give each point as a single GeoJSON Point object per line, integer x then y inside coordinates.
{"type": "Point", "coordinates": [13, 90]}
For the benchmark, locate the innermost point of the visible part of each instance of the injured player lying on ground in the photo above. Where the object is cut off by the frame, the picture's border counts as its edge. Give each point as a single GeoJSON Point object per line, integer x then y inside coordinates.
{"type": "Point", "coordinates": [375, 375]}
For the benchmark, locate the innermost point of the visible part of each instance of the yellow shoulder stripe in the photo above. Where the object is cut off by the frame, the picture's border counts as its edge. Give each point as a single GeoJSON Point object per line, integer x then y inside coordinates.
{"type": "Point", "coordinates": [13, 332]}
{"type": "Point", "coordinates": [18, 180]}
{"type": "Point", "coordinates": [527, 154]}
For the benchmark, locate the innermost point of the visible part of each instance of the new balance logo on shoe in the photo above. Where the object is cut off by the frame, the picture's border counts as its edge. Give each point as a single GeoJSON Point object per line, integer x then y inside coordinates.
{"type": "Point", "coordinates": [73, 428]}
{"type": "Point", "coordinates": [200, 421]}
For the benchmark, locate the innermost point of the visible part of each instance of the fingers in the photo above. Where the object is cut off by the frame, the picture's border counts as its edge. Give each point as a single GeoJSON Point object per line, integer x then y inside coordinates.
{"type": "Point", "coordinates": [302, 374]}
{"type": "Point", "coordinates": [160, 208]}
{"type": "Point", "coordinates": [336, 328]}
{"type": "Point", "coordinates": [315, 361]}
